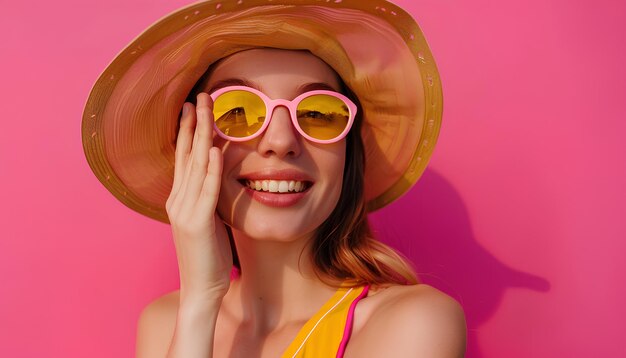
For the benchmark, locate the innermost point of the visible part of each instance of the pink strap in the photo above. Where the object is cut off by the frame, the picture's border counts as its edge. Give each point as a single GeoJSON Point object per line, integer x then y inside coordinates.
{"type": "Point", "coordinates": [348, 329]}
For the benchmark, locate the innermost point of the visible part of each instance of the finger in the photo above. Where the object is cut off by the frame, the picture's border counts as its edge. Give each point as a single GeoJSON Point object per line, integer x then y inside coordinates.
{"type": "Point", "coordinates": [183, 144]}
{"type": "Point", "coordinates": [205, 100]}
{"type": "Point", "coordinates": [211, 187]}
{"type": "Point", "coordinates": [199, 160]}
{"type": "Point", "coordinates": [210, 121]}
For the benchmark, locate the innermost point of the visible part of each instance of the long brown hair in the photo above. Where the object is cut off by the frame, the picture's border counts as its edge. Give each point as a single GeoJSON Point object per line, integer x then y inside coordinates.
{"type": "Point", "coordinates": [344, 247]}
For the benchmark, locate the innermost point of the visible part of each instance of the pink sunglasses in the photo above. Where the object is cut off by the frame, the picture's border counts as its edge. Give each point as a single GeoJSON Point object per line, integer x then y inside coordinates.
{"type": "Point", "coordinates": [243, 113]}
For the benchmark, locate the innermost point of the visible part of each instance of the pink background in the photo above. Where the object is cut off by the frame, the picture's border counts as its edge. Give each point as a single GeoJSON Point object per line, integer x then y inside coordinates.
{"type": "Point", "coordinates": [521, 215]}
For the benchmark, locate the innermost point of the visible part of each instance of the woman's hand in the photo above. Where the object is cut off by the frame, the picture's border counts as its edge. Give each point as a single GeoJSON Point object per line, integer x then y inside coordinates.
{"type": "Point", "coordinates": [202, 245]}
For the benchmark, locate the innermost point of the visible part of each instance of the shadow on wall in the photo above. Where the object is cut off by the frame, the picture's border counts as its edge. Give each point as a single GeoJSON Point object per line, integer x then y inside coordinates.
{"type": "Point", "coordinates": [438, 238]}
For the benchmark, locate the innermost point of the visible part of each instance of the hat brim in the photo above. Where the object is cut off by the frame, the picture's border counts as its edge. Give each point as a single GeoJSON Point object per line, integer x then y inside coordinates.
{"type": "Point", "coordinates": [130, 118]}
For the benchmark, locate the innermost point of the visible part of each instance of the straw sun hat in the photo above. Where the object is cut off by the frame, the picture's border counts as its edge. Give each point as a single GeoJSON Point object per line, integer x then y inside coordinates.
{"type": "Point", "coordinates": [130, 119]}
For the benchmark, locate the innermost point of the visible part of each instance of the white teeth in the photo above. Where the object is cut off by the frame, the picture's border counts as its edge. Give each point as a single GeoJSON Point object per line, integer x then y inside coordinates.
{"type": "Point", "coordinates": [273, 186]}
{"type": "Point", "coordinates": [276, 186]}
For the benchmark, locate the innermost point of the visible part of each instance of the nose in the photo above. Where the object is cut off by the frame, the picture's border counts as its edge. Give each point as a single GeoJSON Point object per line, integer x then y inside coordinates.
{"type": "Point", "coordinates": [280, 138]}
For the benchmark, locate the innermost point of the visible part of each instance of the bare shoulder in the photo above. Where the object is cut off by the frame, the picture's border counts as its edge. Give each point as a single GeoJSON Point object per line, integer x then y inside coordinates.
{"type": "Point", "coordinates": [155, 326]}
{"type": "Point", "coordinates": [409, 321]}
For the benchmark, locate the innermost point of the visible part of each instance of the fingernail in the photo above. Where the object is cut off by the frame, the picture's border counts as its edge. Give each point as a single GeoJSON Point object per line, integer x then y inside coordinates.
{"type": "Point", "coordinates": [185, 109]}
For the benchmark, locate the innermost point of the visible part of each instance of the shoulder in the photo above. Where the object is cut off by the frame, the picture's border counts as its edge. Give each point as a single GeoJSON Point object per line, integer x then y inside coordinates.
{"type": "Point", "coordinates": [156, 324]}
{"type": "Point", "coordinates": [410, 321]}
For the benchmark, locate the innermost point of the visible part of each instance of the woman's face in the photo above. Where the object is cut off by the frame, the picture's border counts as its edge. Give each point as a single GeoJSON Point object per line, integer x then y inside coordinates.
{"type": "Point", "coordinates": [280, 155]}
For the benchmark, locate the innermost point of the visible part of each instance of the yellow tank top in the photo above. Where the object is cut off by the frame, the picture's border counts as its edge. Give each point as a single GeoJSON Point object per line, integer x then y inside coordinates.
{"type": "Point", "coordinates": [328, 331]}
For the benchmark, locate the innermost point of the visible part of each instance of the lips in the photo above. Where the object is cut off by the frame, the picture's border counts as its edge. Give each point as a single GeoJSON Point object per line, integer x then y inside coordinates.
{"type": "Point", "coordinates": [278, 188]}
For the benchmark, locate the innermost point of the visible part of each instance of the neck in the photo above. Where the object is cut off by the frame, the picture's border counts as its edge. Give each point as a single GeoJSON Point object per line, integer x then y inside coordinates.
{"type": "Point", "coordinates": [278, 284]}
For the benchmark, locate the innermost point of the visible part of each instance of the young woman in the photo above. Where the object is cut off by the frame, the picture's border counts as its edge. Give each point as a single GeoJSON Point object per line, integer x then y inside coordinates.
{"type": "Point", "coordinates": [270, 177]}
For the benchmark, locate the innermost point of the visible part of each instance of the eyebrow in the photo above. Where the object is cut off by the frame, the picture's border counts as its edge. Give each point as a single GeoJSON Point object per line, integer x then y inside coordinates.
{"type": "Point", "coordinates": [231, 82]}
{"type": "Point", "coordinates": [315, 86]}
{"type": "Point", "coordinates": [241, 82]}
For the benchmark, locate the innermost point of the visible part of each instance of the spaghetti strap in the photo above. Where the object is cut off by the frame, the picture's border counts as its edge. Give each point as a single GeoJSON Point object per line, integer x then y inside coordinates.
{"type": "Point", "coordinates": [347, 332]}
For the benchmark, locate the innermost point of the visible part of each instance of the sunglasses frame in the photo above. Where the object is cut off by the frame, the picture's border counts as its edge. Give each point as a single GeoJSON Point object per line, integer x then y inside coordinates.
{"type": "Point", "coordinates": [271, 104]}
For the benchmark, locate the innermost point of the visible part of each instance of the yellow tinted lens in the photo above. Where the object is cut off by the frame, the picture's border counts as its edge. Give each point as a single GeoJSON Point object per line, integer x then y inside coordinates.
{"type": "Point", "coordinates": [323, 116]}
{"type": "Point", "coordinates": [239, 113]}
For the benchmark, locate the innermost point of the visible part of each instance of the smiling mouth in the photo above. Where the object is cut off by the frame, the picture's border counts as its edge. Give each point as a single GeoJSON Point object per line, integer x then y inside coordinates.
{"type": "Point", "coordinates": [277, 186]}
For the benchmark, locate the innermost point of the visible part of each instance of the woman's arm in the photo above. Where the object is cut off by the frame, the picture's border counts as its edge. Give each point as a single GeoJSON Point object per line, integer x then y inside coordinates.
{"type": "Point", "coordinates": [202, 247]}
{"type": "Point", "coordinates": [195, 329]}
{"type": "Point", "coordinates": [167, 328]}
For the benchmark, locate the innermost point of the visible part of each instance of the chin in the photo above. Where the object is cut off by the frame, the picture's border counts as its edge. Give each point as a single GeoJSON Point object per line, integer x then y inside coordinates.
{"type": "Point", "coordinates": [275, 227]}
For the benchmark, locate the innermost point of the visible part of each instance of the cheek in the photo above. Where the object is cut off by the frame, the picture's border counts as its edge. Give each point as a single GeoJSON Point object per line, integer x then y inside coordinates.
{"type": "Point", "coordinates": [232, 156]}
{"type": "Point", "coordinates": [338, 182]}
{"type": "Point", "coordinates": [333, 166]}
{"type": "Point", "coordinates": [333, 162]}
